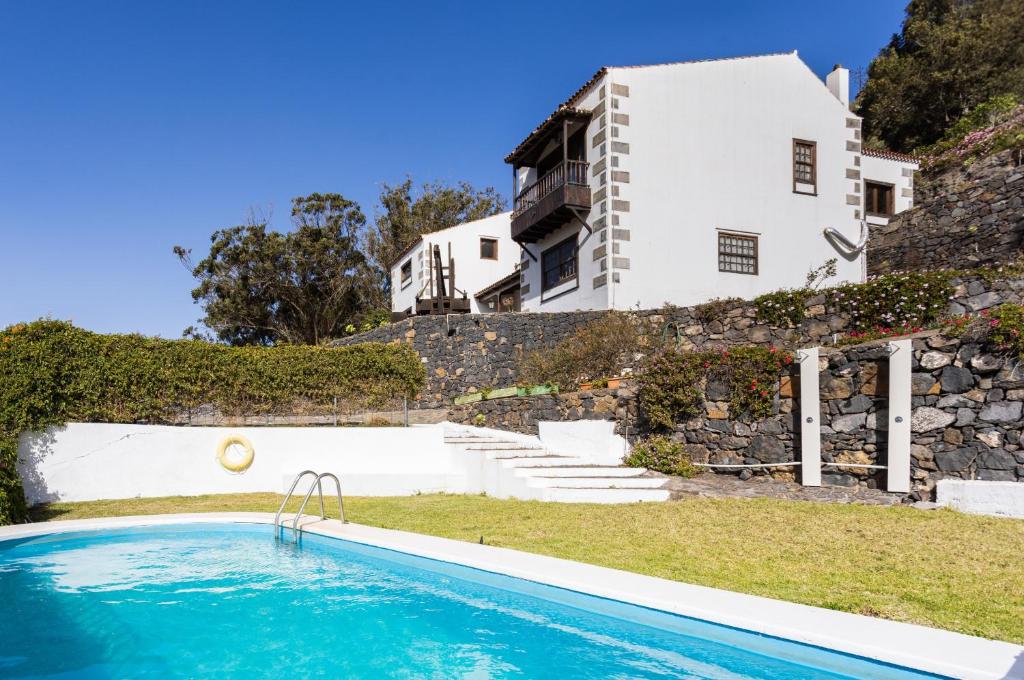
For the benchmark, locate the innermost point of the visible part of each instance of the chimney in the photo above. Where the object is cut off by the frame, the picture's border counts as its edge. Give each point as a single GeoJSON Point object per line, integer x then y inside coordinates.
{"type": "Point", "coordinates": [838, 83]}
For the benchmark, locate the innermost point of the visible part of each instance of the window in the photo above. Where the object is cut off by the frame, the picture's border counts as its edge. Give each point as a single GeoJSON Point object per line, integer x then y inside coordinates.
{"type": "Point", "coordinates": [488, 248]}
{"type": "Point", "coordinates": [558, 263]}
{"type": "Point", "coordinates": [737, 253]}
{"type": "Point", "coordinates": [804, 171]}
{"type": "Point", "coordinates": [878, 198]}
{"type": "Point", "coordinates": [406, 272]}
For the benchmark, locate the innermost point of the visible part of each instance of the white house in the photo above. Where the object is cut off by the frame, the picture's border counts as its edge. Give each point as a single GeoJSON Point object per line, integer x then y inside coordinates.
{"type": "Point", "coordinates": [888, 183]}
{"type": "Point", "coordinates": [483, 254]}
{"type": "Point", "coordinates": [690, 181]}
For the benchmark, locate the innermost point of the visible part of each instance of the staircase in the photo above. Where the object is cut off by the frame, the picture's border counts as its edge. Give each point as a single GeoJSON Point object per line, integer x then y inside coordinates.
{"type": "Point", "coordinates": [518, 466]}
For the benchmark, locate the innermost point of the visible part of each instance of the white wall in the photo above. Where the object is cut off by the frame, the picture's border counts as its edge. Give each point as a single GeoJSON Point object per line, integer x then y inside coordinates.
{"type": "Point", "coordinates": [585, 295]}
{"type": "Point", "coordinates": [711, 148]}
{"type": "Point", "coordinates": [93, 461]}
{"type": "Point", "coordinates": [472, 273]}
{"type": "Point", "coordinates": [403, 295]}
{"type": "Point", "coordinates": [888, 171]}
{"type": "Point", "coordinates": [1001, 499]}
{"type": "Point", "coordinates": [723, 160]}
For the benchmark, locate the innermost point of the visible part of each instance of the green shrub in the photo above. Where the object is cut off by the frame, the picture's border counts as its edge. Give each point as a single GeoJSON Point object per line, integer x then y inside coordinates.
{"type": "Point", "coordinates": [672, 383]}
{"type": "Point", "coordinates": [911, 299]}
{"type": "Point", "coordinates": [54, 373]}
{"type": "Point", "coordinates": [661, 454]}
{"type": "Point", "coordinates": [602, 348]}
{"type": "Point", "coordinates": [714, 309]}
{"type": "Point", "coordinates": [1006, 328]}
{"type": "Point", "coordinates": [782, 308]}
{"type": "Point", "coordinates": [992, 126]}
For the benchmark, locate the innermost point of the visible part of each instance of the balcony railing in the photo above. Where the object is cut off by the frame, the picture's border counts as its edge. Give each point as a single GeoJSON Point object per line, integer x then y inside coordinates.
{"type": "Point", "coordinates": [567, 172]}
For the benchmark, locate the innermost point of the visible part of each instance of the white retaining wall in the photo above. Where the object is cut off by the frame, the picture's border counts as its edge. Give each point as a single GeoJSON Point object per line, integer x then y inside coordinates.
{"type": "Point", "coordinates": [1002, 499]}
{"type": "Point", "coordinates": [81, 462]}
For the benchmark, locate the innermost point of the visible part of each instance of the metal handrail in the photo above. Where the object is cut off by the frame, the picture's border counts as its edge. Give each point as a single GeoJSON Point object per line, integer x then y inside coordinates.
{"type": "Point", "coordinates": [341, 507]}
{"type": "Point", "coordinates": [291, 490]}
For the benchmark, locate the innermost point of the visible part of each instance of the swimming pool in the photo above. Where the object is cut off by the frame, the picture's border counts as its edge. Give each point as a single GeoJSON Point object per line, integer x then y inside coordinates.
{"type": "Point", "coordinates": [228, 600]}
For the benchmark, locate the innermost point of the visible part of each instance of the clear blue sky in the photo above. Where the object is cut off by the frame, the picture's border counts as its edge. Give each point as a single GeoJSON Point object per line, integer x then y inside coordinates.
{"type": "Point", "coordinates": [129, 127]}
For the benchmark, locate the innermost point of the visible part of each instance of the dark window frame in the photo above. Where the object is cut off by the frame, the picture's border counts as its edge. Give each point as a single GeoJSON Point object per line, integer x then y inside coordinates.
{"type": "Point", "coordinates": [890, 203]}
{"type": "Point", "coordinates": [545, 266]}
{"type": "Point", "coordinates": [723, 267]}
{"type": "Point", "coordinates": [797, 143]}
{"type": "Point", "coordinates": [405, 272]}
{"type": "Point", "coordinates": [494, 242]}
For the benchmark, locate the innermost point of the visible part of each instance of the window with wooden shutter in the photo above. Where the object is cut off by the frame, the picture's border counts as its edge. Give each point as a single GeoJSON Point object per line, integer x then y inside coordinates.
{"type": "Point", "coordinates": [488, 248]}
{"type": "Point", "coordinates": [878, 198]}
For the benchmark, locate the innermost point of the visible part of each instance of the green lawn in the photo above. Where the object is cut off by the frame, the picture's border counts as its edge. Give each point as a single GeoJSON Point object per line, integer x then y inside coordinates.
{"type": "Point", "coordinates": [939, 568]}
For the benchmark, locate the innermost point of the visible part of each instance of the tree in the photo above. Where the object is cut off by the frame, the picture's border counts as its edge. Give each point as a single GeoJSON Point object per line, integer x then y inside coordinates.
{"type": "Point", "coordinates": [950, 56]}
{"type": "Point", "coordinates": [404, 217]}
{"type": "Point", "coordinates": [262, 287]}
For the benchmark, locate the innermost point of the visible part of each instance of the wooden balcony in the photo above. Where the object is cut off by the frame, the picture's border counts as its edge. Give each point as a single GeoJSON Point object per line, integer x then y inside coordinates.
{"type": "Point", "coordinates": [548, 203]}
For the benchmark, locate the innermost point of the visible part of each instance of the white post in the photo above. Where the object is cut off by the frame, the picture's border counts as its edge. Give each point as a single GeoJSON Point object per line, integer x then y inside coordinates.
{"type": "Point", "coordinates": [900, 354]}
{"type": "Point", "coordinates": [810, 418]}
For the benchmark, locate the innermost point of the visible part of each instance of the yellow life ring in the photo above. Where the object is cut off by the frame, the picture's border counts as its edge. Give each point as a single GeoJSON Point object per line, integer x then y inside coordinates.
{"type": "Point", "coordinates": [240, 465]}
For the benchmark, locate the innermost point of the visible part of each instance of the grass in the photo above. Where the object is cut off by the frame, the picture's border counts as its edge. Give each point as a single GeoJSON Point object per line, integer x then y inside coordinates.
{"type": "Point", "coordinates": [940, 568]}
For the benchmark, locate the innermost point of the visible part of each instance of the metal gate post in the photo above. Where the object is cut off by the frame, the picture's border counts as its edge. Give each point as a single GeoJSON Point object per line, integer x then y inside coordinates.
{"type": "Point", "coordinates": [810, 418]}
{"type": "Point", "coordinates": [901, 353]}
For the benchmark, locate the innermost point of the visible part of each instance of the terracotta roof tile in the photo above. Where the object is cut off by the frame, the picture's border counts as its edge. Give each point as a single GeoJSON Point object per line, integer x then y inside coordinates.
{"type": "Point", "coordinates": [890, 155]}
{"type": "Point", "coordinates": [570, 103]}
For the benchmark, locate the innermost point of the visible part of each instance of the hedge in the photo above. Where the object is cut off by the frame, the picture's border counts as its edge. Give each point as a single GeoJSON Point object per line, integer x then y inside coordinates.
{"type": "Point", "coordinates": [52, 372]}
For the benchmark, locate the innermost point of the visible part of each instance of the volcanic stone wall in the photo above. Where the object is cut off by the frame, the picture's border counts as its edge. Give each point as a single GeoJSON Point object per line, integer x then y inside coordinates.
{"type": "Point", "coordinates": [963, 218]}
{"type": "Point", "coordinates": [966, 421]}
{"type": "Point", "coordinates": [469, 352]}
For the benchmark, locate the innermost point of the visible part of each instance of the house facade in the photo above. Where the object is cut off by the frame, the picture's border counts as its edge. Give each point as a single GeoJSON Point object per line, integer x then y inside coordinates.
{"type": "Point", "coordinates": [482, 253]}
{"type": "Point", "coordinates": [888, 184]}
{"type": "Point", "coordinates": [686, 182]}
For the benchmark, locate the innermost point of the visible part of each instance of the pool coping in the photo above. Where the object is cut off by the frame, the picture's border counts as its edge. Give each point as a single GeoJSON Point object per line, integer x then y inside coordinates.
{"type": "Point", "coordinates": [902, 644]}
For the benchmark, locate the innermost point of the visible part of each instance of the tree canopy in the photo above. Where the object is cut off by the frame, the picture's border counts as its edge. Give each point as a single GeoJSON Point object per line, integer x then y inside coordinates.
{"type": "Point", "coordinates": [949, 57]}
{"type": "Point", "coordinates": [406, 214]}
{"type": "Point", "coordinates": [262, 287]}
{"type": "Point", "coordinates": [327, 276]}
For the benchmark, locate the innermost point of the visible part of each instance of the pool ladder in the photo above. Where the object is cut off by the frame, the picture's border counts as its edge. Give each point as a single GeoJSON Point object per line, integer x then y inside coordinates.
{"type": "Point", "coordinates": [318, 485]}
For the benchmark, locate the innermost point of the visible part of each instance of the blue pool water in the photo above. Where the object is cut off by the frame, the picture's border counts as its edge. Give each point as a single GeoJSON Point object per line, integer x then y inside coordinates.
{"type": "Point", "coordinates": [229, 601]}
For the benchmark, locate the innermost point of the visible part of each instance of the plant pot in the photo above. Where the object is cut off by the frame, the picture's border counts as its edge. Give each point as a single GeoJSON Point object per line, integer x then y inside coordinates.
{"type": "Point", "coordinates": [613, 383]}
{"type": "Point", "coordinates": [502, 393]}
{"type": "Point", "coordinates": [469, 398]}
{"type": "Point", "coordinates": [586, 387]}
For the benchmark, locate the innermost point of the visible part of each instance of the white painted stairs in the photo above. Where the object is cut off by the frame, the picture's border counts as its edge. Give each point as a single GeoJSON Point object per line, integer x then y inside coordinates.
{"type": "Point", "coordinates": [511, 465]}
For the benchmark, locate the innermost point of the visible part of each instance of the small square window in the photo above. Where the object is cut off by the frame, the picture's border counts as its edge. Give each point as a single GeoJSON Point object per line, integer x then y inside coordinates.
{"type": "Point", "coordinates": [737, 253]}
{"type": "Point", "coordinates": [488, 248]}
{"type": "Point", "coordinates": [878, 198]}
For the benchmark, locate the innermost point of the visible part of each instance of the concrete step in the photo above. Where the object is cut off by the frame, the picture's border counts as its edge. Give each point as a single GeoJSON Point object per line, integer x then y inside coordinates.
{"type": "Point", "coordinates": [566, 495]}
{"type": "Point", "coordinates": [539, 461]}
{"type": "Point", "coordinates": [472, 441]}
{"type": "Point", "coordinates": [506, 454]}
{"type": "Point", "coordinates": [503, 446]}
{"type": "Point", "coordinates": [595, 482]}
{"type": "Point", "coordinates": [583, 471]}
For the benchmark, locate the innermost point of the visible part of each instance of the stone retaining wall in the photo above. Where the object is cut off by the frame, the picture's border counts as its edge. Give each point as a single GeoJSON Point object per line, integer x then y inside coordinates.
{"type": "Point", "coordinates": [465, 353]}
{"type": "Point", "coordinates": [963, 218]}
{"type": "Point", "coordinates": [967, 418]}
